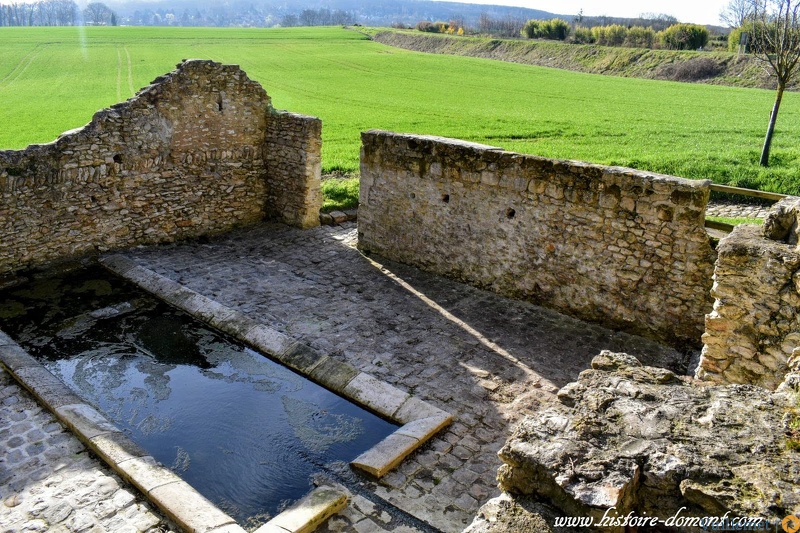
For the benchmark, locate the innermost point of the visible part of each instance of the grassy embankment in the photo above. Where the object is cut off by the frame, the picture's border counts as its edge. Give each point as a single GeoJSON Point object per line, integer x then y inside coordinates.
{"type": "Point", "coordinates": [716, 68]}
{"type": "Point", "coordinates": [53, 79]}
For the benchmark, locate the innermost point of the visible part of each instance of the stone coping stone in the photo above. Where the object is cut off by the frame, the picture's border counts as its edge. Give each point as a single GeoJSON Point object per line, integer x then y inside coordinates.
{"type": "Point", "coordinates": [434, 139]}
{"type": "Point", "coordinates": [308, 513]}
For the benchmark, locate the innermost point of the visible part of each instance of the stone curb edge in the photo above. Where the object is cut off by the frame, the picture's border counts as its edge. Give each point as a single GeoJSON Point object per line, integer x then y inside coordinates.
{"type": "Point", "coordinates": [420, 419]}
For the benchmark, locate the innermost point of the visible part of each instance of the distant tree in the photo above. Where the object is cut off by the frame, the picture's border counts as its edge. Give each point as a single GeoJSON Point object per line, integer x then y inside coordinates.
{"type": "Point", "coordinates": [508, 26]}
{"type": "Point", "coordinates": [532, 29]}
{"type": "Point", "coordinates": [776, 41]}
{"type": "Point", "coordinates": [67, 12]}
{"type": "Point", "coordinates": [427, 26]}
{"type": "Point", "coordinates": [639, 37]}
{"type": "Point", "coordinates": [737, 12]}
{"type": "Point", "coordinates": [97, 13]}
{"type": "Point", "coordinates": [290, 20]}
{"type": "Point", "coordinates": [657, 21]}
{"type": "Point", "coordinates": [307, 17]}
{"type": "Point", "coordinates": [555, 29]}
{"type": "Point", "coordinates": [611, 35]}
{"type": "Point", "coordinates": [582, 35]}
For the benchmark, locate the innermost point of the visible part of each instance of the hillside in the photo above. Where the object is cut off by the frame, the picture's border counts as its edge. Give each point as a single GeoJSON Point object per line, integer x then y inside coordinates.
{"type": "Point", "coordinates": [717, 68]}
{"type": "Point", "coordinates": [268, 13]}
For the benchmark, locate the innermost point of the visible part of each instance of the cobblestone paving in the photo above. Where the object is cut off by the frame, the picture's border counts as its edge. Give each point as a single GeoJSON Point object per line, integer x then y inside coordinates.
{"type": "Point", "coordinates": [731, 209]}
{"type": "Point", "coordinates": [50, 483]}
{"type": "Point", "coordinates": [486, 359]}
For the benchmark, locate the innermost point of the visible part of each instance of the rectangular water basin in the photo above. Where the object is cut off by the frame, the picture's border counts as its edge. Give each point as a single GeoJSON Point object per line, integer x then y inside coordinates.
{"type": "Point", "coordinates": [246, 432]}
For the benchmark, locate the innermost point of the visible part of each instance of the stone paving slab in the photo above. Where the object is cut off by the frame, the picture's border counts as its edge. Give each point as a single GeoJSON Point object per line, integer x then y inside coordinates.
{"type": "Point", "coordinates": [49, 482]}
{"type": "Point", "coordinates": [485, 359]}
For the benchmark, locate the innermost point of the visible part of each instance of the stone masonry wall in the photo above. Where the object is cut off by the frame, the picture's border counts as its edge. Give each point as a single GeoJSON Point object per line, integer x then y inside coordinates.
{"type": "Point", "coordinates": [606, 244]}
{"type": "Point", "coordinates": [195, 152]}
{"type": "Point", "coordinates": [753, 333]}
{"type": "Point", "coordinates": [295, 151]}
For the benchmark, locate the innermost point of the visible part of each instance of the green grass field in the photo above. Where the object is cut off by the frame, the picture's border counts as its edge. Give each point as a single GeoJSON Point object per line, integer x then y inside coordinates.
{"type": "Point", "coordinates": [54, 79]}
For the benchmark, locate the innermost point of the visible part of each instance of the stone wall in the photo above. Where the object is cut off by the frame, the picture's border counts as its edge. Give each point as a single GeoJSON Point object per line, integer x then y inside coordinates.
{"type": "Point", "coordinates": [295, 150]}
{"type": "Point", "coordinates": [198, 151]}
{"type": "Point", "coordinates": [753, 333]}
{"type": "Point", "coordinates": [606, 244]}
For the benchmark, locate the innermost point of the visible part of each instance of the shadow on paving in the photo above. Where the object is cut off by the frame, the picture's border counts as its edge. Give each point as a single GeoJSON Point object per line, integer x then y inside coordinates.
{"type": "Point", "coordinates": [554, 346]}
{"type": "Point", "coordinates": [486, 359]}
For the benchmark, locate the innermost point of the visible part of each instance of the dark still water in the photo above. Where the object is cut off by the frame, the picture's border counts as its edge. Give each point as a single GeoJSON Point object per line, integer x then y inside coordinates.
{"type": "Point", "coordinates": [244, 431]}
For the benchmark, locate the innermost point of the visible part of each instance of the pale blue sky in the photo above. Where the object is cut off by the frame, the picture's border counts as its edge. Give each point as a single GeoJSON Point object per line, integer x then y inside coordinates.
{"type": "Point", "coordinates": [697, 11]}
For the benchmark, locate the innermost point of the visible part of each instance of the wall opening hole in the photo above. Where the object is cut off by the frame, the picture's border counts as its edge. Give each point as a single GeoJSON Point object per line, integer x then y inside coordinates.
{"type": "Point", "coordinates": [412, 195]}
{"type": "Point", "coordinates": [446, 198]}
{"type": "Point", "coordinates": [219, 101]}
{"type": "Point", "coordinates": [510, 213]}
{"type": "Point", "coordinates": [117, 159]}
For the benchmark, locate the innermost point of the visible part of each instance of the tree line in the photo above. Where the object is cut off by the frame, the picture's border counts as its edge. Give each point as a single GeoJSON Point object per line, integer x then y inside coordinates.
{"type": "Point", "coordinates": [67, 13]}
{"type": "Point", "coordinates": [44, 13]}
{"type": "Point", "coordinates": [676, 36]}
{"type": "Point", "coordinates": [55, 13]}
{"type": "Point", "coordinates": [319, 17]}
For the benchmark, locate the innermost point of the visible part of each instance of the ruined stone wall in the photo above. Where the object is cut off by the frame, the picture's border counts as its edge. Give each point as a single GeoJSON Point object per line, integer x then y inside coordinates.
{"type": "Point", "coordinates": [611, 245]}
{"type": "Point", "coordinates": [196, 152]}
{"type": "Point", "coordinates": [753, 333]}
{"type": "Point", "coordinates": [295, 151]}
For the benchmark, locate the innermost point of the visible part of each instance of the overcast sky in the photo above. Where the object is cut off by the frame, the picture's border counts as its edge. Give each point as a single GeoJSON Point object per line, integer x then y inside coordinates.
{"type": "Point", "coordinates": [697, 11]}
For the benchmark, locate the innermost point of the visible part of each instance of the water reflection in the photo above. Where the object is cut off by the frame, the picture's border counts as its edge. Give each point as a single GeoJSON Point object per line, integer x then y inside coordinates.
{"type": "Point", "coordinates": [246, 432]}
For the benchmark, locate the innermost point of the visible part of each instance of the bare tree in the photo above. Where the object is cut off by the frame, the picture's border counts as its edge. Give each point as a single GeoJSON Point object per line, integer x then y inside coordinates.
{"type": "Point", "coordinates": [507, 26]}
{"type": "Point", "coordinates": [776, 40]}
{"type": "Point", "coordinates": [98, 13]}
{"type": "Point", "coordinates": [657, 21]}
{"type": "Point", "coordinates": [290, 20]}
{"type": "Point", "coordinates": [737, 12]}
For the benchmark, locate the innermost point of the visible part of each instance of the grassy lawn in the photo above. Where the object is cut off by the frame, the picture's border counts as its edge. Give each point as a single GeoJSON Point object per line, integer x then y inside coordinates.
{"type": "Point", "coordinates": [735, 221]}
{"type": "Point", "coordinates": [54, 79]}
{"type": "Point", "coordinates": [339, 194]}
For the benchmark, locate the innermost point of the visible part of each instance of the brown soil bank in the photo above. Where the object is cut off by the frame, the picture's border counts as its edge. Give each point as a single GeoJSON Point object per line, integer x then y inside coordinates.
{"type": "Point", "coordinates": [718, 68]}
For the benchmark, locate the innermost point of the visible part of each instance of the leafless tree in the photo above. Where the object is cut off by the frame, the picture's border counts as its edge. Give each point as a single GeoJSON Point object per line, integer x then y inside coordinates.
{"type": "Point", "coordinates": [776, 39]}
{"type": "Point", "coordinates": [98, 13]}
{"type": "Point", "coordinates": [657, 21]}
{"type": "Point", "coordinates": [737, 12]}
{"type": "Point", "coordinates": [508, 26]}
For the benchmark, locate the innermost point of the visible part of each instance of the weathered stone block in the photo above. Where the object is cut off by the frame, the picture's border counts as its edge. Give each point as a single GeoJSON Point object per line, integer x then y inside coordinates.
{"type": "Point", "coordinates": [752, 330]}
{"type": "Point", "coordinates": [632, 437]}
